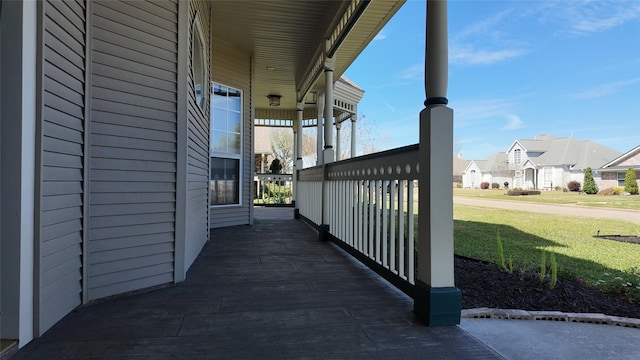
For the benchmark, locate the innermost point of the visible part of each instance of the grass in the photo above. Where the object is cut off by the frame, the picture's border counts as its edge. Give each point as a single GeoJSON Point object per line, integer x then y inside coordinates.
{"type": "Point", "coordinates": [558, 197]}
{"type": "Point", "coordinates": [525, 235]}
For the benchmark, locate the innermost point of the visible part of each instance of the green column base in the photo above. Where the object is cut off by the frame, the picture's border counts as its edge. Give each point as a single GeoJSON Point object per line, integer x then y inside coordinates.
{"type": "Point", "coordinates": [437, 306]}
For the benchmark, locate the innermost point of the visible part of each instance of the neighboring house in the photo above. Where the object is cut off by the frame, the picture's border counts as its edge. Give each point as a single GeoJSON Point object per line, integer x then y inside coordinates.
{"type": "Point", "coordinates": [459, 165]}
{"type": "Point", "coordinates": [127, 133]}
{"type": "Point", "coordinates": [544, 162]}
{"type": "Point", "coordinates": [262, 149]}
{"type": "Point", "coordinates": [612, 173]}
{"type": "Point", "coordinates": [492, 170]}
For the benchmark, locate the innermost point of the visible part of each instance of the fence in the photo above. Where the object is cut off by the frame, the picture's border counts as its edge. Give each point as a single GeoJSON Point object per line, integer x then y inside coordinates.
{"type": "Point", "coordinates": [273, 189]}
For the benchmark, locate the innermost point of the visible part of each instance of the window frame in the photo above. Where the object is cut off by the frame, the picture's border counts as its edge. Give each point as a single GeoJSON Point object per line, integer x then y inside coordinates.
{"type": "Point", "coordinates": [235, 156]}
{"type": "Point", "coordinates": [621, 180]}
{"type": "Point", "coordinates": [517, 156]}
{"type": "Point", "coordinates": [197, 38]}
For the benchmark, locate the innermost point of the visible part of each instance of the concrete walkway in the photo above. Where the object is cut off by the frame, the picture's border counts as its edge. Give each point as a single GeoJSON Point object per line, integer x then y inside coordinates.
{"type": "Point", "coordinates": [267, 291]}
{"type": "Point", "coordinates": [273, 291]}
{"type": "Point", "coordinates": [565, 210]}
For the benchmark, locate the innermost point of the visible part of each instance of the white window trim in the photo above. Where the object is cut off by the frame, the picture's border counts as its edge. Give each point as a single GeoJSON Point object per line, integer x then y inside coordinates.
{"type": "Point", "coordinates": [197, 30]}
{"type": "Point", "coordinates": [239, 157]}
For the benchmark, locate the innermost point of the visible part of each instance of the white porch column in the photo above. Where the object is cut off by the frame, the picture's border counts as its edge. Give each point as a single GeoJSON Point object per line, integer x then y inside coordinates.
{"type": "Point", "coordinates": [338, 126]}
{"type": "Point", "coordinates": [297, 164]}
{"type": "Point", "coordinates": [353, 134]}
{"type": "Point", "coordinates": [328, 155]}
{"type": "Point", "coordinates": [437, 301]}
{"type": "Point", "coordinates": [320, 108]}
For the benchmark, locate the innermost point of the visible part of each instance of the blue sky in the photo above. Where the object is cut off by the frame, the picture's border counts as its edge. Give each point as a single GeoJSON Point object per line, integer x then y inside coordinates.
{"type": "Point", "coordinates": [517, 69]}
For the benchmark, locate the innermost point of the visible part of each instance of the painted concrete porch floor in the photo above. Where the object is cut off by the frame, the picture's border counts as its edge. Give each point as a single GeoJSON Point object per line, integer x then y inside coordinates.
{"type": "Point", "coordinates": [267, 291]}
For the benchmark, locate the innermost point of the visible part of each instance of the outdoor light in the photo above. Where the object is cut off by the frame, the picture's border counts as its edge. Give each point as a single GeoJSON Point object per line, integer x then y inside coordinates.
{"type": "Point", "coordinates": [274, 100]}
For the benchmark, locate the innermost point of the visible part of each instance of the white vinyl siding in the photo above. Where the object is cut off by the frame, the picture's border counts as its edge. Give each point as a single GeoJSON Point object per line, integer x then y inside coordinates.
{"type": "Point", "coordinates": [232, 67]}
{"type": "Point", "coordinates": [133, 146]}
{"type": "Point", "coordinates": [61, 164]}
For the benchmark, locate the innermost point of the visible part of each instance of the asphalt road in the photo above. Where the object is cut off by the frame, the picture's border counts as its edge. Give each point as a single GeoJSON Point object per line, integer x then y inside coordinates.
{"type": "Point", "coordinates": [566, 210]}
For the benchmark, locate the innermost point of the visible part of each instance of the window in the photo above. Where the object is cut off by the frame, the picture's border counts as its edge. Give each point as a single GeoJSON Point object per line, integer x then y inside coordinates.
{"type": "Point", "coordinates": [226, 145]}
{"type": "Point", "coordinates": [621, 178]}
{"type": "Point", "coordinates": [517, 156]}
{"type": "Point", "coordinates": [198, 65]}
{"type": "Point", "coordinates": [547, 173]}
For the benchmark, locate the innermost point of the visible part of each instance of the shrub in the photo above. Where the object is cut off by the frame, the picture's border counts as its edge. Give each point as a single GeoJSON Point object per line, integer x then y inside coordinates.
{"type": "Point", "coordinates": [590, 186]}
{"type": "Point", "coordinates": [558, 188]}
{"type": "Point", "coordinates": [607, 192]}
{"type": "Point", "coordinates": [518, 192]}
{"type": "Point", "coordinates": [617, 191]}
{"type": "Point", "coordinates": [573, 185]}
{"type": "Point", "coordinates": [484, 185]}
{"type": "Point", "coordinates": [495, 186]}
{"type": "Point", "coordinates": [630, 184]}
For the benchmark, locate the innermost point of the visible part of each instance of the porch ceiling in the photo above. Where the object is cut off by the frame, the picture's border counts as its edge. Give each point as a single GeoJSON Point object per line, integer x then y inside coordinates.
{"type": "Point", "coordinates": [285, 36]}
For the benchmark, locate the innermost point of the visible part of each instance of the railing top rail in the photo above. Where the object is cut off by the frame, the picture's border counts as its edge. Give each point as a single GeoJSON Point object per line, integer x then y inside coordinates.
{"type": "Point", "coordinates": [395, 164]}
{"type": "Point", "coordinates": [273, 176]}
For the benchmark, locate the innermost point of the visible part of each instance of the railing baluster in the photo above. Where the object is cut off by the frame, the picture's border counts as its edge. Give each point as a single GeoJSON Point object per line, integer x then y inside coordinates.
{"type": "Point", "coordinates": [372, 184]}
{"type": "Point", "coordinates": [385, 215]}
{"type": "Point", "coordinates": [401, 238]}
{"type": "Point", "coordinates": [392, 227]}
{"type": "Point", "coordinates": [378, 220]}
{"type": "Point", "coordinates": [411, 230]}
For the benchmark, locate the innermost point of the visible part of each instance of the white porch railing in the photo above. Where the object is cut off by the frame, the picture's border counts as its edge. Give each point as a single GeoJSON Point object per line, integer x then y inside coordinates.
{"type": "Point", "coordinates": [273, 189]}
{"type": "Point", "coordinates": [370, 209]}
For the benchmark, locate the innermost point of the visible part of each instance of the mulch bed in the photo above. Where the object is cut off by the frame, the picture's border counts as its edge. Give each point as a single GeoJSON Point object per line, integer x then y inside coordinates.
{"type": "Point", "coordinates": [485, 285]}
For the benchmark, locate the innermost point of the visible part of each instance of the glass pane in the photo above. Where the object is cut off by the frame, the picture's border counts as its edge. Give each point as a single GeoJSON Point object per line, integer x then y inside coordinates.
{"type": "Point", "coordinates": [198, 67]}
{"type": "Point", "coordinates": [233, 122]}
{"type": "Point", "coordinates": [234, 144]}
{"type": "Point", "coordinates": [219, 119]}
{"type": "Point", "coordinates": [219, 142]}
{"type": "Point", "coordinates": [234, 100]}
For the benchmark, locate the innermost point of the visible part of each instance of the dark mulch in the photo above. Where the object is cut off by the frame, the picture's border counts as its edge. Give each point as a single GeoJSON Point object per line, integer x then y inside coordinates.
{"type": "Point", "coordinates": [485, 285]}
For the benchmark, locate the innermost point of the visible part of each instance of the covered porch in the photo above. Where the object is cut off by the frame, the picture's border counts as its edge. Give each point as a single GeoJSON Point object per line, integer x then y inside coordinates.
{"type": "Point", "coordinates": [270, 290]}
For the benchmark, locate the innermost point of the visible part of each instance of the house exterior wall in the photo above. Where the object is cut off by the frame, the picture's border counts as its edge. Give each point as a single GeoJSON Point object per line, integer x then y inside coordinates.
{"type": "Point", "coordinates": [61, 159]}
{"type": "Point", "coordinates": [133, 146]}
{"type": "Point", "coordinates": [609, 179]}
{"type": "Point", "coordinates": [632, 161]}
{"type": "Point", "coordinates": [197, 143]}
{"type": "Point", "coordinates": [231, 66]}
{"type": "Point", "coordinates": [471, 177]}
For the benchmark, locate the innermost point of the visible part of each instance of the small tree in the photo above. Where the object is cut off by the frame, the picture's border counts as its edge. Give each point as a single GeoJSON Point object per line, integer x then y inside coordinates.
{"type": "Point", "coordinates": [630, 184]}
{"type": "Point", "coordinates": [589, 186]}
{"type": "Point", "coordinates": [275, 167]}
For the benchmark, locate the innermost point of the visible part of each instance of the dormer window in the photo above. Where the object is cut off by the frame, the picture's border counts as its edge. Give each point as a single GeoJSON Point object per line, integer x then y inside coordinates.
{"type": "Point", "coordinates": [517, 156]}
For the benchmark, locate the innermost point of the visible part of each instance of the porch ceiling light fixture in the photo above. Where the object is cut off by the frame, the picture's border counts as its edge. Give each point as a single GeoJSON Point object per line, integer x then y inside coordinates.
{"type": "Point", "coordinates": [274, 100]}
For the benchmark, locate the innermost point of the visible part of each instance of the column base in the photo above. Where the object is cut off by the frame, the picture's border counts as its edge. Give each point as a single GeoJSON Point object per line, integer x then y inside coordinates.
{"type": "Point", "coordinates": [323, 232]}
{"type": "Point", "coordinates": [296, 213]}
{"type": "Point", "coordinates": [437, 306]}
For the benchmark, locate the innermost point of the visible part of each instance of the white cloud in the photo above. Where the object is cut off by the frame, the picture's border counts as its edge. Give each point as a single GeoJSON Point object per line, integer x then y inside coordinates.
{"type": "Point", "coordinates": [604, 89]}
{"type": "Point", "coordinates": [587, 17]}
{"type": "Point", "coordinates": [412, 72]}
{"type": "Point", "coordinates": [482, 57]}
{"type": "Point", "coordinates": [486, 41]}
{"type": "Point", "coordinates": [513, 122]}
{"type": "Point", "coordinates": [380, 36]}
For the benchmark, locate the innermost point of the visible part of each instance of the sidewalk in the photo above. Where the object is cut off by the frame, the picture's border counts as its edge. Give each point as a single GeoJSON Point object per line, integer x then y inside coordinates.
{"type": "Point", "coordinates": [568, 210]}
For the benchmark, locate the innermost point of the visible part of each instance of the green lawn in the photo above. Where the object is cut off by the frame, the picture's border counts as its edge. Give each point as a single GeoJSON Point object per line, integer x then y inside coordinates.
{"type": "Point", "coordinates": [525, 235]}
{"type": "Point", "coordinates": [558, 197]}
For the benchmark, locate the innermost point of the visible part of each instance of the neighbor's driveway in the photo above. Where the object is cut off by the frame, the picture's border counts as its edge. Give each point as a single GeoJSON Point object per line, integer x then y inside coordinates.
{"type": "Point", "coordinates": [567, 210]}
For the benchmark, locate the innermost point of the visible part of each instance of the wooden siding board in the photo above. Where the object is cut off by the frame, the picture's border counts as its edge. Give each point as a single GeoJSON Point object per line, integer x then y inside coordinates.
{"type": "Point", "coordinates": [123, 287]}
{"type": "Point", "coordinates": [61, 161]}
{"type": "Point", "coordinates": [133, 143]}
{"type": "Point", "coordinates": [133, 241]}
{"type": "Point", "coordinates": [131, 78]}
{"type": "Point", "coordinates": [55, 116]}
{"type": "Point", "coordinates": [125, 59]}
{"type": "Point", "coordinates": [118, 209]}
{"type": "Point", "coordinates": [129, 274]}
{"type": "Point", "coordinates": [129, 16]}
{"type": "Point", "coordinates": [128, 255]}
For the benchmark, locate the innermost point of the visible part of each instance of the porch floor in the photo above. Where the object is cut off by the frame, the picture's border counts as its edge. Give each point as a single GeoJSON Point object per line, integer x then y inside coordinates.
{"type": "Point", "coordinates": [267, 291]}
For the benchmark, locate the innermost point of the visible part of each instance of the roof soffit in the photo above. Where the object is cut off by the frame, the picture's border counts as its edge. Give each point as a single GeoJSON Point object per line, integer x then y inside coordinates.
{"type": "Point", "coordinates": [284, 36]}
